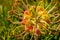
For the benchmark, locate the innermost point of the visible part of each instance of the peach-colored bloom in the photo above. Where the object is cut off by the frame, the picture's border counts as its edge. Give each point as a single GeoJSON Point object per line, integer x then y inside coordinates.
{"type": "Point", "coordinates": [24, 21]}
{"type": "Point", "coordinates": [27, 14]}
{"type": "Point", "coordinates": [28, 28]}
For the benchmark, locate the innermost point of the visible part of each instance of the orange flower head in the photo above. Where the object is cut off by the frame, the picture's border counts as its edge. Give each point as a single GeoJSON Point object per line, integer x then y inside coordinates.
{"type": "Point", "coordinates": [24, 21]}
{"type": "Point", "coordinates": [27, 14]}
{"type": "Point", "coordinates": [28, 28]}
{"type": "Point", "coordinates": [32, 7]}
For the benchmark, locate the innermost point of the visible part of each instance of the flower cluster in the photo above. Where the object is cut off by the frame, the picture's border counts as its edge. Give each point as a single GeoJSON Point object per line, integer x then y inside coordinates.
{"type": "Point", "coordinates": [30, 20]}
{"type": "Point", "coordinates": [31, 23]}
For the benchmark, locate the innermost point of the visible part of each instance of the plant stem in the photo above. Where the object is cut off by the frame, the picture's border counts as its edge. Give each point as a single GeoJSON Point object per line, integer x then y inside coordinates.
{"type": "Point", "coordinates": [53, 7]}
{"type": "Point", "coordinates": [24, 4]}
{"type": "Point", "coordinates": [49, 4]}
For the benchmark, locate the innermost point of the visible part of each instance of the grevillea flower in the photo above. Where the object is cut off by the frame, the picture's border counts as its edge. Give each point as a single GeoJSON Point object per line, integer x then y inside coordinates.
{"type": "Point", "coordinates": [44, 15]}
{"type": "Point", "coordinates": [24, 21]}
{"type": "Point", "coordinates": [27, 14]}
{"type": "Point", "coordinates": [37, 31]}
{"type": "Point", "coordinates": [32, 7]}
{"type": "Point", "coordinates": [15, 4]}
{"type": "Point", "coordinates": [28, 28]}
{"type": "Point", "coordinates": [39, 8]}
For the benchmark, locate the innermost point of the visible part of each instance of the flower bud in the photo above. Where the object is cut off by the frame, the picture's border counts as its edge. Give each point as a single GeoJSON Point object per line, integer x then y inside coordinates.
{"type": "Point", "coordinates": [37, 31]}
